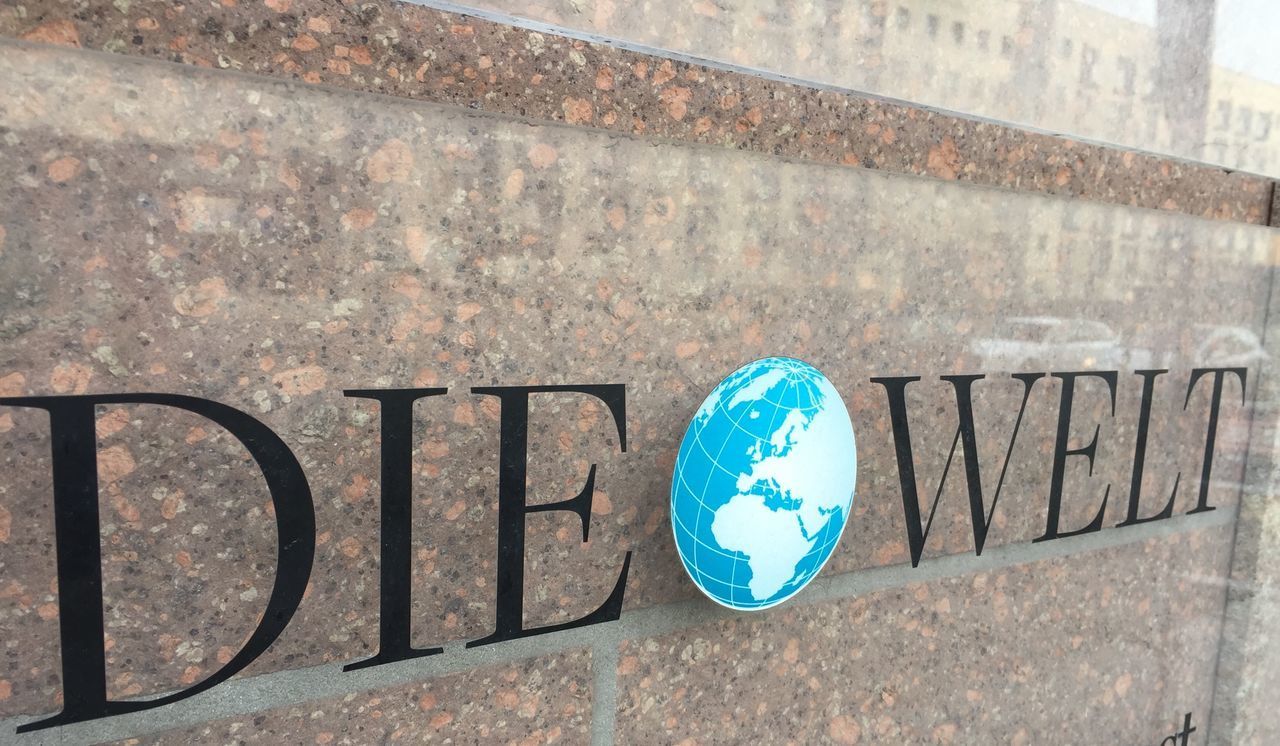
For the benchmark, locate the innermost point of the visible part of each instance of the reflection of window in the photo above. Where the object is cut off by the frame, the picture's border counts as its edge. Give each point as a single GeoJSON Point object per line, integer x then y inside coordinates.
{"type": "Point", "coordinates": [1224, 114]}
{"type": "Point", "coordinates": [1128, 71]}
{"type": "Point", "coordinates": [1246, 120]}
{"type": "Point", "coordinates": [1088, 58]}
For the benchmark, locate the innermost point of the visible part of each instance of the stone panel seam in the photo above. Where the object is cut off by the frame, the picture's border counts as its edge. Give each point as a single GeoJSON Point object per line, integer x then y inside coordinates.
{"type": "Point", "coordinates": [240, 697]}
{"type": "Point", "coordinates": [604, 692]}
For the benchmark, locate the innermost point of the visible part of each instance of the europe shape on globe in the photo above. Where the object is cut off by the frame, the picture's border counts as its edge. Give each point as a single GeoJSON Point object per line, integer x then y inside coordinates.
{"type": "Point", "coordinates": [763, 483]}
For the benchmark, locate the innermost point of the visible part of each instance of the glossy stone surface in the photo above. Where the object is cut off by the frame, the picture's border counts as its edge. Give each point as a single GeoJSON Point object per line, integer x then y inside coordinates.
{"type": "Point", "coordinates": [1249, 660]}
{"type": "Point", "coordinates": [1191, 78]}
{"type": "Point", "coordinates": [537, 701]}
{"type": "Point", "coordinates": [1121, 642]}
{"type": "Point", "coordinates": [406, 50]}
{"type": "Point", "coordinates": [268, 245]}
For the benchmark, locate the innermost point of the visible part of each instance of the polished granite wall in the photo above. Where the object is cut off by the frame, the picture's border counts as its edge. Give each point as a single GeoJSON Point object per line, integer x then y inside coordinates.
{"type": "Point", "coordinates": [426, 54]}
{"type": "Point", "coordinates": [1247, 671]}
{"type": "Point", "coordinates": [269, 244]}
{"type": "Point", "coordinates": [1191, 78]}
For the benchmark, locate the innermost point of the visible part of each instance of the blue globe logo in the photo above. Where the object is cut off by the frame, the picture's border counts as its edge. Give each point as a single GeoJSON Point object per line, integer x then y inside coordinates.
{"type": "Point", "coordinates": [763, 483]}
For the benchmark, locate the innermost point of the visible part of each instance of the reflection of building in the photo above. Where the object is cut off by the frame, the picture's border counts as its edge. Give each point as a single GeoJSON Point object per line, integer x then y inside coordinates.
{"type": "Point", "coordinates": [1140, 73]}
{"type": "Point", "coordinates": [1244, 118]}
{"type": "Point", "coordinates": [1075, 68]}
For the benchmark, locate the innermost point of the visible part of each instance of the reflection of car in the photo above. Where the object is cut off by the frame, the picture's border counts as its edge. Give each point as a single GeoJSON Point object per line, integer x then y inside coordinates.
{"type": "Point", "coordinates": [1036, 342]}
{"type": "Point", "coordinates": [1227, 346]}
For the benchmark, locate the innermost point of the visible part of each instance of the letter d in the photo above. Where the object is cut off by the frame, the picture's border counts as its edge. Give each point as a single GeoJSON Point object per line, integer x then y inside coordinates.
{"type": "Point", "coordinates": [75, 511]}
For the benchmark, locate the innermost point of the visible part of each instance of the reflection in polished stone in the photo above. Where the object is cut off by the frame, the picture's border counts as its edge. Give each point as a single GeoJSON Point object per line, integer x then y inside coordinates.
{"type": "Point", "coordinates": [289, 242]}
{"type": "Point", "coordinates": [1184, 77]}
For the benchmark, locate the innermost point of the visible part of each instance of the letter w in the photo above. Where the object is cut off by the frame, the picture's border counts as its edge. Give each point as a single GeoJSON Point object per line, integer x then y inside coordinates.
{"type": "Point", "coordinates": [917, 533]}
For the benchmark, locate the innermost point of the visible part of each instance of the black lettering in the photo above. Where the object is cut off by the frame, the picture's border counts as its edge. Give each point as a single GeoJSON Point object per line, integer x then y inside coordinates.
{"type": "Point", "coordinates": [1061, 452]}
{"type": "Point", "coordinates": [512, 508]}
{"type": "Point", "coordinates": [1140, 456]}
{"type": "Point", "coordinates": [1187, 730]}
{"type": "Point", "coordinates": [395, 569]}
{"type": "Point", "coordinates": [76, 529]}
{"type": "Point", "coordinates": [980, 515]}
{"type": "Point", "coordinates": [1211, 438]}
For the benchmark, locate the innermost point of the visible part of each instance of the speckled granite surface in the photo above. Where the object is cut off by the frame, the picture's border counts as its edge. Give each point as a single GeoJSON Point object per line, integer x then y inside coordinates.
{"type": "Point", "coordinates": [291, 241]}
{"type": "Point", "coordinates": [1248, 672]}
{"type": "Point", "coordinates": [1193, 78]}
{"type": "Point", "coordinates": [410, 51]}
{"type": "Point", "coordinates": [543, 700]}
{"type": "Point", "coordinates": [1111, 650]}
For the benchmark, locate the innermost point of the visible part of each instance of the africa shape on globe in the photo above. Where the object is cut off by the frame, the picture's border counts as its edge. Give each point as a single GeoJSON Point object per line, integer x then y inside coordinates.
{"type": "Point", "coordinates": [763, 483]}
